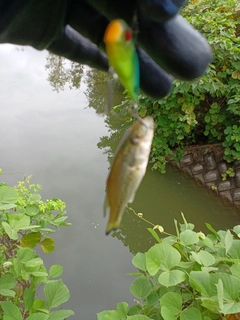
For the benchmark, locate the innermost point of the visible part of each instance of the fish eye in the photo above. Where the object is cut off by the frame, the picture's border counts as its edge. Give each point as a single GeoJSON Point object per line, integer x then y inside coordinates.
{"type": "Point", "coordinates": [128, 35]}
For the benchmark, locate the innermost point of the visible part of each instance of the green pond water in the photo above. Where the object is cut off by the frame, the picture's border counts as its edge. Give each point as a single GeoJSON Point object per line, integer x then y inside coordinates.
{"type": "Point", "coordinates": [58, 137]}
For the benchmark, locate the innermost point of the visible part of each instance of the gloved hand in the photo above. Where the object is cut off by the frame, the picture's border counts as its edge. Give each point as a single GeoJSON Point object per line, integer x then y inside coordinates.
{"type": "Point", "coordinates": [168, 46]}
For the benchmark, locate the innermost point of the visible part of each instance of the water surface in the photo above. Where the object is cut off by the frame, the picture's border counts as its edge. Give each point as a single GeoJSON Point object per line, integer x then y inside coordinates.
{"type": "Point", "coordinates": [55, 138]}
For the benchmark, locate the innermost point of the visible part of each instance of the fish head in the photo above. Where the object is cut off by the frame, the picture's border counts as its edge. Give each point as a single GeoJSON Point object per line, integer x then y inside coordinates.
{"type": "Point", "coordinates": [142, 131]}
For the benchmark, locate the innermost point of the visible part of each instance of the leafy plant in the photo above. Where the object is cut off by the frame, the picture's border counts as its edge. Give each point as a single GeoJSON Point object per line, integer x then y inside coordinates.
{"type": "Point", "coordinates": [229, 173]}
{"type": "Point", "coordinates": [27, 221]}
{"type": "Point", "coordinates": [206, 110]}
{"type": "Point", "coordinates": [185, 276]}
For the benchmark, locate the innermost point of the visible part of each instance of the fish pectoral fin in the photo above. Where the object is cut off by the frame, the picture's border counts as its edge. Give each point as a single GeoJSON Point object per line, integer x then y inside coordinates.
{"type": "Point", "coordinates": [106, 206]}
{"type": "Point", "coordinates": [131, 198]}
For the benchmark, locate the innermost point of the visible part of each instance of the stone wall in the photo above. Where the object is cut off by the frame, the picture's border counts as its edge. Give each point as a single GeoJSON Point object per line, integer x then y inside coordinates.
{"type": "Point", "coordinates": [206, 165]}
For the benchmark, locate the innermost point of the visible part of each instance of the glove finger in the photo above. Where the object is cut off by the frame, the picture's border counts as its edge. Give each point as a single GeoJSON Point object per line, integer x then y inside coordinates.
{"type": "Point", "coordinates": [154, 81]}
{"type": "Point", "coordinates": [176, 46]}
{"type": "Point", "coordinates": [162, 10]}
{"type": "Point", "coordinates": [75, 47]}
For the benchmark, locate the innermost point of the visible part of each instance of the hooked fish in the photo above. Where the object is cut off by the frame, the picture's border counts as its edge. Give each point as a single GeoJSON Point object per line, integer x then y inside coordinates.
{"type": "Point", "coordinates": [122, 55]}
{"type": "Point", "coordinates": [128, 169]}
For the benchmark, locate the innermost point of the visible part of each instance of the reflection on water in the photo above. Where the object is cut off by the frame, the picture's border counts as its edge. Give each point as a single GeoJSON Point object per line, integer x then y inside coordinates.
{"type": "Point", "coordinates": [54, 137]}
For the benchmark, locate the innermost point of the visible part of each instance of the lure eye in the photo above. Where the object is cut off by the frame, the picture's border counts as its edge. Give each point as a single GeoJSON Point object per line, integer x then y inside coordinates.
{"type": "Point", "coordinates": [128, 35]}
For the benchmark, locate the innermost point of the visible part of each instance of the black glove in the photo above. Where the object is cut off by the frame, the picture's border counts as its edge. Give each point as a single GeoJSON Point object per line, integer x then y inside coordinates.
{"type": "Point", "coordinates": [74, 29]}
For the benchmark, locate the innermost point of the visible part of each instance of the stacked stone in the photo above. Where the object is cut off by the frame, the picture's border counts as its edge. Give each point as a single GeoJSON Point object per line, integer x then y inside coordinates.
{"type": "Point", "coordinates": [206, 165]}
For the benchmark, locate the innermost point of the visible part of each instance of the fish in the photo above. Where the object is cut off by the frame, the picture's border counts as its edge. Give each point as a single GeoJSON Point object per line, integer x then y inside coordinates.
{"type": "Point", "coordinates": [128, 169]}
{"type": "Point", "coordinates": [122, 55]}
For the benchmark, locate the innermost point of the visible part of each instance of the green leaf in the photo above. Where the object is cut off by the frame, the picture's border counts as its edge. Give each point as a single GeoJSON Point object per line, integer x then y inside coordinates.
{"type": "Point", "coordinates": [25, 254]}
{"type": "Point", "coordinates": [201, 281]}
{"type": "Point", "coordinates": [55, 271]}
{"type": "Point", "coordinates": [167, 314]}
{"type": "Point", "coordinates": [60, 314]}
{"type": "Point", "coordinates": [38, 304]}
{"type": "Point", "coordinates": [56, 293]}
{"type": "Point", "coordinates": [173, 301]}
{"type": "Point", "coordinates": [108, 315]}
{"type": "Point", "coordinates": [28, 298]}
{"type": "Point", "coordinates": [234, 252]}
{"type": "Point", "coordinates": [190, 314]}
{"type": "Point", "coordinates": [204, 258]}
{"type": "Point", "coordinates": [139, 261]}
{"type": "Point", "coordinates": [34, 262]}
{"type": "Point", "coordinates": [8, 196]}
{"type": "Point", "coordinates": [208, 225]}
{"type": "Point", "coordinates": [10, 231]}
{"type": "Point", "coordinates": [7, 293]}
{"type": "Point", "coordinates": [161, 256]}
{"type": "Point", "coordinates": [141, 287]}
{"type": "Point", "coordinates": [18, 221]}
{"type": "Point", "coordinates": [122, 309]}
{"type": "Point", "coordinates": [32, 210]}
{"type": "Point", "coordinates": [48, 245]}
{"type": "Point", "coordinates": [155, 235]}
{"type": "Point", "coordinates": [134, 310]}
{"type": "Point", "coordinates": [7, 282]}
{"type": "Point", "coordinates": [231, 284]}
{"type": "Point", "coordinates": [235, 269]}
{"type": "Point", "coordinates": [188, 237]}
{"type": "Point", "coordinates": [38, 316]}
{"type": "Point", "coordinates": [171, 278]}
{"type": "Point", "coordinates": [11, 311]}
{"type": "Point", "coordinates": [231, 308]}
{"type": "Point", "coordinates": [39, 273]}
{"type": "Point", "coordinates": [31, 239]}
{"type": "Point", "coordinates": [228, 241]}
{"type": "Point", "coordinates": [138, 317]}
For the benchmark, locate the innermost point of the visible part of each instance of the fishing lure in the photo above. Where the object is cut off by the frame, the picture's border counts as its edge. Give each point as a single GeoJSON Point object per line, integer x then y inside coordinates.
{"type": "Point", "coordinates": [122, 55]}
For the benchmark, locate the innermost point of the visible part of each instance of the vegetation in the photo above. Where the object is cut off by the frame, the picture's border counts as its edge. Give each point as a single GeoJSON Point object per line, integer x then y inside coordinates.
{"type": "Point", "coordinates": [27, 221]}
{"type": "Point", "coordinates": [185, 276]}
{"type": "Point", "coordinates": [206, 110]}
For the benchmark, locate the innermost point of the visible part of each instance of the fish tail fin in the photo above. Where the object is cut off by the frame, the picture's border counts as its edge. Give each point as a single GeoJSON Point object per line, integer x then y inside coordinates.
{"type": "Point", "coordinates": [112, 226]}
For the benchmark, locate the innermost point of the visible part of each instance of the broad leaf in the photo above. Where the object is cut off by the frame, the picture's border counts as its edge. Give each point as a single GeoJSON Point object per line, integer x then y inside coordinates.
{"type": "Point", "coordinates": [167, 314]}
{"type": "Point", "coordinates": [188, 237]}
{"type": "Point", "coordinates": [161, 256]}
{"type": "Point", "coordinates": [7, 282]}
{"type": "Point", "coordinates": [56, 293]}
{"type": "Point", "coordinates": [38, 316]}
{"type": "Point", "coordinates": [48, 245]}
{"type": "Point", "coordinates": [138, 317]}
{"type": "Point", "coordinates": [11, 311]}
{"type": "Point", "coordinates": [139, 261]}
{"type": "Point", "coordinates": [190, 314]}
{"type": "Point", "coordinates": [201, 281]}
{"type": "Point", "coordinates": [55, 271]}
{"type": "Point", "coordinates": [34, 262]}
{"type": "Point", "coordinates": [171, 278]}
{"type": "Point", "coordinates": [141, 287]}
{"type": "Point", "coordinates": [28, 298]}
{"type": "Point", "coordinates": [31, 239]}
{"type": "Point", "coordinates": [18, 221]}
{"type": "Point", "coordinates": [8, 197]}
{"type": "Point", "coordinates": [60, 314]}
{"type": "Point", "coordinates": [10, 231]}
{"type": "Point", "coordinates": [173, 301]}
